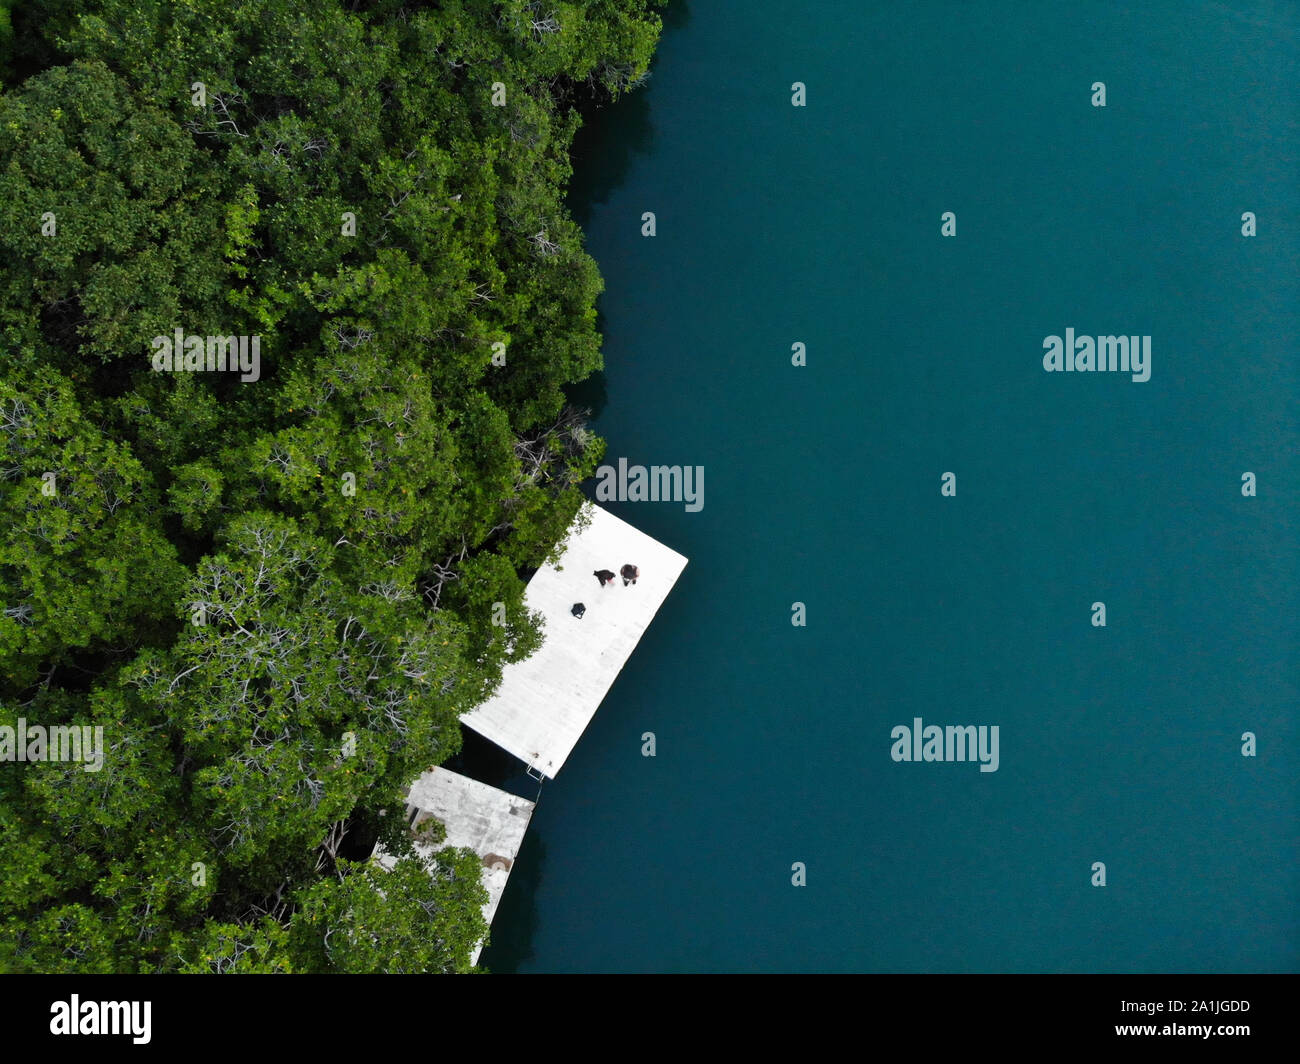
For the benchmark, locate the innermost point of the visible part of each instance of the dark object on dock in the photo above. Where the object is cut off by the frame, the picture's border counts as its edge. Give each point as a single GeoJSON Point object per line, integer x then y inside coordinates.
{"type": "Point", "coordinates": [578, 610]}
{"type": "Point", "coordinates": [630, 573]}
{"type": "Point", "coordinates": [603, 575]}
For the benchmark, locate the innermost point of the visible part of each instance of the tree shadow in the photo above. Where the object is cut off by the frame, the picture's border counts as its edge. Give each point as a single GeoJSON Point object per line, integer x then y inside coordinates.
{"type": "Point", "coordinates": [676, 15]}
{"type": "Point", "coordinates": [589, 393]}
{"type": "Point", "coordinates": [611, 136]}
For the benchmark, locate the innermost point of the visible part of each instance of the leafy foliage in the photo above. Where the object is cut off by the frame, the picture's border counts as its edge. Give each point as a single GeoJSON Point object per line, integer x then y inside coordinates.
{"type": "Point", "coordinates": [276, 598]}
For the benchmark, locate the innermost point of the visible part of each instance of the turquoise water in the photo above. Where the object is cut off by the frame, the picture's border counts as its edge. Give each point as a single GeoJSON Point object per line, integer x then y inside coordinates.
{"type": "Point", "coordinates": [821, 225]}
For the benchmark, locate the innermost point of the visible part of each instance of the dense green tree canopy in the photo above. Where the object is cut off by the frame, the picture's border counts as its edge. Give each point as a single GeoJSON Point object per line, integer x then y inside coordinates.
{"type": "Point", "coordinates": [276, 595]}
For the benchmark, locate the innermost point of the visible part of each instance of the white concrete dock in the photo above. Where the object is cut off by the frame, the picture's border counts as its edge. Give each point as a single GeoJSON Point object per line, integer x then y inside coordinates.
{"type": "Point", "coordinates": [484, 819]}
{"type": "Point", "coordinates": [544, 703]}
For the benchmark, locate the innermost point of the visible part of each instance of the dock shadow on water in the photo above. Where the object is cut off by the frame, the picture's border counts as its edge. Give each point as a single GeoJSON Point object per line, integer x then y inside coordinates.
{"type": "Point", "coordinates": [486, 762]}
{"type": "Point", "coordinates": [510, 942]}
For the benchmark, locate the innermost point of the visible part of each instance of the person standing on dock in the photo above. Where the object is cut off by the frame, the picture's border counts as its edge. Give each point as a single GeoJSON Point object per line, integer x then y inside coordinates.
{"type": "Point", "coordinates": [630, 573]}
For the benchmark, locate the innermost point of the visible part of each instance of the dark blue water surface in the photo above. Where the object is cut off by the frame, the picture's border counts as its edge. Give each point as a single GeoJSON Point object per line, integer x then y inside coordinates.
{"type": "Point", "coordinates": [821, 225]}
